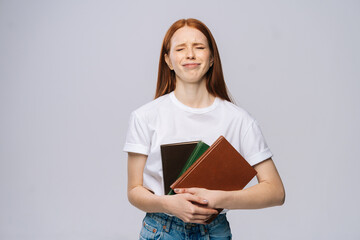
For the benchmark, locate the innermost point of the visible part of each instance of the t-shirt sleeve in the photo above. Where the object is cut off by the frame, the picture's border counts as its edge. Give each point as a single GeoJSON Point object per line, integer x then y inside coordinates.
{"type": "Point", "coordinates": [137, 137]}
{"type": "Point", "coordinates": [254, 146]}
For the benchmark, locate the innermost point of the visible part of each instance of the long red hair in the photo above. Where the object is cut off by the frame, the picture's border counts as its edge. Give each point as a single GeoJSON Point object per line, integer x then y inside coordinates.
{"type": "Point", "coordinates": [215, 82]}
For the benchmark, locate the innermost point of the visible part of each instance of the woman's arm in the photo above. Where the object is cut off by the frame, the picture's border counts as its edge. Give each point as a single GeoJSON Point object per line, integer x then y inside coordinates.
{"type": "Point", "coordinates": [268, 192]}
{"type": "Point", "coordinates": [188, 207]}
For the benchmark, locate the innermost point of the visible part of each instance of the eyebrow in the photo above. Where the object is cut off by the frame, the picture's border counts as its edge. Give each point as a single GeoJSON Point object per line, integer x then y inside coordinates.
{"type": "Point", "coordinates": [184, 44]}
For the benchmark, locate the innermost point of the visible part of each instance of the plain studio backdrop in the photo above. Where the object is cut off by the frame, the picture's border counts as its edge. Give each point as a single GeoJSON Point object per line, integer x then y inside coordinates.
{"type": "Point", "coordinates": [71, 72]}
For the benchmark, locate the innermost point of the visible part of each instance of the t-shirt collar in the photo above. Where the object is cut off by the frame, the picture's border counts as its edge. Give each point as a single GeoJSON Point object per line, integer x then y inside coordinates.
{"type": "Point", "coordinates": [191, 109]}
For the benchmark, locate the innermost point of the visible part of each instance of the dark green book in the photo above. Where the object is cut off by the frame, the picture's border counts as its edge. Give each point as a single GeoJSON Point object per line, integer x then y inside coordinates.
{"type": "Point", "coordinates": [200, 148]}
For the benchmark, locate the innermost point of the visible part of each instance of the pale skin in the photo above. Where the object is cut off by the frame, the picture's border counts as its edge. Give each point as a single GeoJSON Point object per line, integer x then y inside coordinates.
{"type": "Point", "coordinates": [190, 58]}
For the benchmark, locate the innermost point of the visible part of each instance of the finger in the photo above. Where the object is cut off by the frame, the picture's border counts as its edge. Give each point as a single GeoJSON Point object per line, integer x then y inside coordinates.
{"type": "Point", "coordinates": [200, 210]}
{"type": "Point", "coordinates": [190, 190]}
{"type": "Point", "coordinates": [196, 199]}
{"type": "Point", "coordinates": [206, 211]}
{"type": "Point", "coordinates": [186, 190]}
{"type": "Point", "coordinates": [180, 190]}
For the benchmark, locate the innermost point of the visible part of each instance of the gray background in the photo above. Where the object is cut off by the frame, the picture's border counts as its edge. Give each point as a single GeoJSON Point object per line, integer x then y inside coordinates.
{"type": "Point", "coordinates": [72, 71]}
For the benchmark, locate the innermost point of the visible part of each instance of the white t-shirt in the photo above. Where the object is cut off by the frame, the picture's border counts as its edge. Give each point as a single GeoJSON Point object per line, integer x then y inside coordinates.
{"type": "Point", "coordinates": [167, 120]}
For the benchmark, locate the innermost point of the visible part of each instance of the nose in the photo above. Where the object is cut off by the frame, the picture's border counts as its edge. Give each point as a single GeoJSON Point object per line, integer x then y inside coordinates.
{"type": "Point", "coordinates": [190, 54]}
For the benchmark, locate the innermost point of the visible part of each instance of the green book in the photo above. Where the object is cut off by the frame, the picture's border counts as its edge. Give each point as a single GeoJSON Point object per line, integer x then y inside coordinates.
{"type": "Point", "coordinates": [200, 148]}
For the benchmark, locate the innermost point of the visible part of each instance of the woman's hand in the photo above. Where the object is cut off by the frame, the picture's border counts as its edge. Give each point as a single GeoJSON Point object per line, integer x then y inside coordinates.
{"type": "Point", "coordinates": [213, 196]}
{"type": "Point", "coordinates": [189, 208]}
{"type": "Point", "coordinates": [267, 193]}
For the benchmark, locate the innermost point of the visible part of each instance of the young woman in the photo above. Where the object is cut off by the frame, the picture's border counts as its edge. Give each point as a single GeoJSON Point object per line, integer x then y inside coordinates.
{"type": "Point", "coordinates": [192, 103]}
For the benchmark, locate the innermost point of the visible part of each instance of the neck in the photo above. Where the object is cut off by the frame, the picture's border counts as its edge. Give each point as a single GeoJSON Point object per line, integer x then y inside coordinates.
{"type": "Point", "coordinates": [193, 95]}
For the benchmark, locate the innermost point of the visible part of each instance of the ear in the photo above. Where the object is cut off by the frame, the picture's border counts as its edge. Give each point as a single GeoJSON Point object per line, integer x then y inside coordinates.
{"type": "Point", "coordinates": [168, 62]}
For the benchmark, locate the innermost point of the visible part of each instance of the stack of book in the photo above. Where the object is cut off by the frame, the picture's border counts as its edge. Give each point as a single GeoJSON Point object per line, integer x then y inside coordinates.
{"type": "Point", "coordinates": [195, 164]}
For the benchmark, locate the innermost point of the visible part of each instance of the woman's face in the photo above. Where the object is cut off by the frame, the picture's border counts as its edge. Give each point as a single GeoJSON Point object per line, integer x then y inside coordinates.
{"type": "Point", "coordinates": [189, 55]}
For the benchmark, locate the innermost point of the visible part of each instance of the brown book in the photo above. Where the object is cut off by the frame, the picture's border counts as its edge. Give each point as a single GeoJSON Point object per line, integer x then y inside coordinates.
{"type": "Point", "coordinates": [174, 157]}
{"type": "Point", "coordinates": [221, 167]}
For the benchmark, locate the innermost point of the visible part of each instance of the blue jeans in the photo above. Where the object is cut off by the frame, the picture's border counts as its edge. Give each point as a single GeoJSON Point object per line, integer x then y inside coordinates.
{"type": "Point", "coordinates": [162, 226]}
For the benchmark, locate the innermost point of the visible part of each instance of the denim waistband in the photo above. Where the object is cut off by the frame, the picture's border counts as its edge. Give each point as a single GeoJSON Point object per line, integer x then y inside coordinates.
{"type": "Point", "coordinates": [176, 223]}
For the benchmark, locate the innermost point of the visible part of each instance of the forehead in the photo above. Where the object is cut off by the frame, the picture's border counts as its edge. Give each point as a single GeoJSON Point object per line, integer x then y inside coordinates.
{"type": "Point", "coordinates": [188, 35]}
